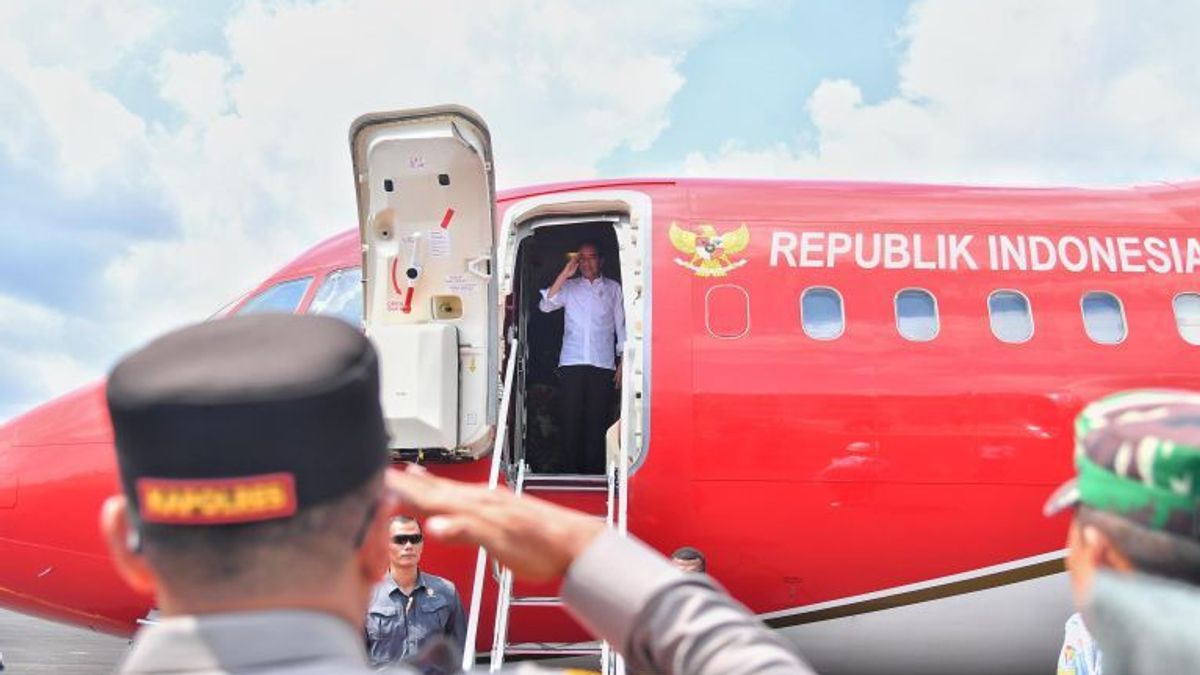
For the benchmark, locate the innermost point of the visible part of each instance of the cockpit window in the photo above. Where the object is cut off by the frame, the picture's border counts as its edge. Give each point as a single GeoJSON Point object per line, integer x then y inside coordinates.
{"type": "Point", "coordinates": [284, 297]}
{"type": "Point", "coordinates": [340, 295]}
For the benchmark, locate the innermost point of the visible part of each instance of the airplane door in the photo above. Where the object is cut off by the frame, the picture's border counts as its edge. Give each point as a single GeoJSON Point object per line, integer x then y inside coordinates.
{"type": "Point", "coordinates": [426, 219]}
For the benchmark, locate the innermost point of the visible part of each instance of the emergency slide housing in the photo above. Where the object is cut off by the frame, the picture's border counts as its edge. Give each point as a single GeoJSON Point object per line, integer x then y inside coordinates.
{"type": "Point", "coordinates": [426, 217]}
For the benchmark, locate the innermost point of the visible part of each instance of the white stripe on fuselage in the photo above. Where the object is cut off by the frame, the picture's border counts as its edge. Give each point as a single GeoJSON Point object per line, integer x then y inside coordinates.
{"type": "Point", "coordinates": [919, 586]}
{"type": "Point", "coordinates": [1011, 628]}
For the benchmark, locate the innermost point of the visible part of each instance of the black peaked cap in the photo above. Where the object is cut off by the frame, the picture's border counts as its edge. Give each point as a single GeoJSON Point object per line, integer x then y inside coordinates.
{"type": "Point", "coordinates": [246, 419]}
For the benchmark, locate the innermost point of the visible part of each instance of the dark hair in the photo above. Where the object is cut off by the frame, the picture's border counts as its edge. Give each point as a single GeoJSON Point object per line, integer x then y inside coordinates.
{"type": "Point", "coordinates": [1151, 551]}
{"type": "Point", "coordinates": [404, 520]}
{"type": "Point", "coordinates": [594, 245]}
{"type": "Point", "coordinates": [251, 557]}
{"type": "Point", "coordinates": [688, 553]}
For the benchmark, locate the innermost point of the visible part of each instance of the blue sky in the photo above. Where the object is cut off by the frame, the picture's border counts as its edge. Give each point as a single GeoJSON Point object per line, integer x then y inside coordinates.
{"type": "Point", "coordinates": [157, 158]}
{"type": "Point", "coordinates": [750, 80]}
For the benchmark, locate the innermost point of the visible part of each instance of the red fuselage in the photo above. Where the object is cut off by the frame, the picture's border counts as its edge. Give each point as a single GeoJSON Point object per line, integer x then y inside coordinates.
{"type": "Point", "coordinates": [808, 470]}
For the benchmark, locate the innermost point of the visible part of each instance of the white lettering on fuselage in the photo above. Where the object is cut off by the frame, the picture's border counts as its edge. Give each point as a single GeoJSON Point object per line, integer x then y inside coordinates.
{"type": "Point", "coordinates": [997, 252]}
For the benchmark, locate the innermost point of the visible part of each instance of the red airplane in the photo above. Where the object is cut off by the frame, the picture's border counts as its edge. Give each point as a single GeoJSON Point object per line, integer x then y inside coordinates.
{"type": "Point", "coordinates": [854, 398]}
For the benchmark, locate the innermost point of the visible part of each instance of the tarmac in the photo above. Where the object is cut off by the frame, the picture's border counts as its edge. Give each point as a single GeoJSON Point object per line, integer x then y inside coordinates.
{"type": "Point", "coordinates": [32, 645]}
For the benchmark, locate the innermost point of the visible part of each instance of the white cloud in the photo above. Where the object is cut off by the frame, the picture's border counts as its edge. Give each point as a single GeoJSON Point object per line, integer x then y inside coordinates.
{"type": "Point", "coordinates": [1079, 91]}
{"type": "Point", "coordinates": [36, 360]}
{"type": "Point", "coordinates": [260, 166]}
{"type": "Point", "coordinates": [24, 322]}
{"type": "Point", "coordinates": [195, 84]}
{"type": "Point", "coordinates": [88, 36]}
{"type": "Point", "coordinates": [54, 119]}
{"type": "Point", "coordinates": [255, 165]}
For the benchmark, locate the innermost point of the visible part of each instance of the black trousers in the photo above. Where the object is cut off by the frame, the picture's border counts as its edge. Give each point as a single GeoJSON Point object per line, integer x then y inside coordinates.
{"type": "Point", "coordinates": [586, 397]}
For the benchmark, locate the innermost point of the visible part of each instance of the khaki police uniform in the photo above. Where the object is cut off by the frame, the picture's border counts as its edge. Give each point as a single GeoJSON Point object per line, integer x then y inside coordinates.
{"type": "Point", "coordinates": [283, 641]}
{"type": "Point", "coordinates": [664, 620]}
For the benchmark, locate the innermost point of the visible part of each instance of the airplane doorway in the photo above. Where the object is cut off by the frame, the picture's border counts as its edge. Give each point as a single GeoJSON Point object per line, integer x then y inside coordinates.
{"type": "Point", "coordinates": [538, 430]}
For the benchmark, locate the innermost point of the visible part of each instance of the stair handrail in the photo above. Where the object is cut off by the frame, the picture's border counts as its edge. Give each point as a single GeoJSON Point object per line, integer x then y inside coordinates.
{"type": "Point", "coordinates": [504, 598]}
{"type": "Point", "coordinates": [629, 430]}
{"type": "Point", "coordinates": [498, 447]}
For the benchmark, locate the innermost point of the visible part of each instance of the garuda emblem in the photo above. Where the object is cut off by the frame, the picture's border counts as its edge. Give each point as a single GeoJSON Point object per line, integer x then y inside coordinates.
{"type": "Point", "coordinates": [708, 251]}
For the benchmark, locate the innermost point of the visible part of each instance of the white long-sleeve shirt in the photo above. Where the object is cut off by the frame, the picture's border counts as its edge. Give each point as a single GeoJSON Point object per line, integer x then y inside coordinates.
{"type": "Point", "coordinates": [595, 313]}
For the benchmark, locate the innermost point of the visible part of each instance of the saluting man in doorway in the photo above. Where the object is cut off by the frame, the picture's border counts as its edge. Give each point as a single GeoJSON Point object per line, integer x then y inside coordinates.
{"type": "Point", "coordinates": [589, 364]}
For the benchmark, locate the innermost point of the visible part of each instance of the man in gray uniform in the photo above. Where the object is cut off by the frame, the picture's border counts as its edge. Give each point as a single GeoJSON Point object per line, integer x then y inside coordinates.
{"type": "Point", "coordinates": [255, 507]}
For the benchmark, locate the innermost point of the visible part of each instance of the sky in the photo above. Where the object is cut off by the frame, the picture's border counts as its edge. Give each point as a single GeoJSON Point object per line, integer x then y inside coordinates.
{"type": "Point", "coordinates": [158, 159]}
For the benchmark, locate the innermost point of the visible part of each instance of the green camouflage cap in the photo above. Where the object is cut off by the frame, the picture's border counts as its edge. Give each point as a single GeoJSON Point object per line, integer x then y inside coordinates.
{"type": "Point", "coordinates": [1137, 455]}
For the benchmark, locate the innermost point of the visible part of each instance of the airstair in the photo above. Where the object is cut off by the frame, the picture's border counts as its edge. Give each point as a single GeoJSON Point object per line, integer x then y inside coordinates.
{"type": "Point", "coordinates": [439, 272]}
{"type": "Point", "coordinates": [510, 601]}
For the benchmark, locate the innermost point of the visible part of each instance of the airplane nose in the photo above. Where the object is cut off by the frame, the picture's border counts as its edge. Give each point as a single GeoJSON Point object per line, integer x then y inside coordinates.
{"type": "Point", "coordinates": [57, 466]}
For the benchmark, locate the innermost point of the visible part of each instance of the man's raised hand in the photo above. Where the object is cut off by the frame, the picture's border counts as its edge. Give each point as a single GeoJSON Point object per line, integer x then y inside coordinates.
{"type": "Point", "coordinates": [536, 539]}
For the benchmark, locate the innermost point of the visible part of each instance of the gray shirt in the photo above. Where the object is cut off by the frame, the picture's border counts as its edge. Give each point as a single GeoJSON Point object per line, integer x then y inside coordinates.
{"type": "Point", "coordinates": [264, 643]}
{"type": "Point", "coordinates": [398, 624]}
{"type": "Point", "coordinates": [1145, 624]}
{"type": "Point", "coordinates": [663, 620]}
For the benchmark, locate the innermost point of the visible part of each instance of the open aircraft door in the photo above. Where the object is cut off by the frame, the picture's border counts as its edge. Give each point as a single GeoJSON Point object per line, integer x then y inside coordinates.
{"type": "Point", "coordinates": [426, 204]}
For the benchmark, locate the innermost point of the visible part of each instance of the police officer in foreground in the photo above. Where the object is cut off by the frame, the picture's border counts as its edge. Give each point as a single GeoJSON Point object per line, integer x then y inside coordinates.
{"type": "Point", "coordinates": [1133, 548]}
{"type": "Point", "coordinates": [252, 457]}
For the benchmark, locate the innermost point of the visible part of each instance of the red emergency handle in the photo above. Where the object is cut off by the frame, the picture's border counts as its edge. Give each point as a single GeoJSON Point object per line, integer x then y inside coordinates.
{"type": "Point", "coordinates": [408, 296]}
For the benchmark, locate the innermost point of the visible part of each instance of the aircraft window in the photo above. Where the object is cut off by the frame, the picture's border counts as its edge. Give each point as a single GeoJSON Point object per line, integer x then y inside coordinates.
{"type": "Point", "coordinates": [821, 313]}
{"type": "Point", "coordinates": [1010, 316]}
{"type": "Point", "coordinates": [283, 297]}
{"type": "Point", "coordinates": [916, 315]}
{"type": "Point", "coordinates": [340, 296]}
{"type": "Point", "coordinates": [727, 311]}
{"type": "Point", "coordinates": [1103, 317]}
{"type": "Point", "coordinates": [1187, 316]}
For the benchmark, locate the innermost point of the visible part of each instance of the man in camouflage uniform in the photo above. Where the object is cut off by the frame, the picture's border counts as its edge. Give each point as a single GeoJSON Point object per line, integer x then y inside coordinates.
{"type": "Point", "coordinates": [1134, 542]}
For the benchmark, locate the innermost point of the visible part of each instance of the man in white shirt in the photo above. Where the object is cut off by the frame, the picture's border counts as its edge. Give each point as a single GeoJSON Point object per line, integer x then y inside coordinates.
{"type": "Point", "coordinates": [589, 364]}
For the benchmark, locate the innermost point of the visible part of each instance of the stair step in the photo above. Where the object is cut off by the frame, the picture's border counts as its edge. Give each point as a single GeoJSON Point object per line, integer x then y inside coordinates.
{"type": "Point", "coordinates": [536, 601]}
{"type": "Point", "coordinates": [564, 488]}
{"type": "Point", "coordinates": [565, 482]}
{"type": "Point", "coordinates": [552, 649]}
{"type": "Point", "coordinates": [550, 478]}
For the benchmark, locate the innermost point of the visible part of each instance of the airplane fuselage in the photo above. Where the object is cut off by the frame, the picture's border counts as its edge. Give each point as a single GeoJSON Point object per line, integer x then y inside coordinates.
{"type": "Point", "coordinates": [868, 478]}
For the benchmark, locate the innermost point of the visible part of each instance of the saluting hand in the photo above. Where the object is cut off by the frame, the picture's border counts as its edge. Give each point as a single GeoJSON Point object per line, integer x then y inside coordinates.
{"type": "Point", "coordinates": [537, 540]}
{"type": "Point", "coordinates": [570, 268]}
{"type": "Point", "coordinates": [567, 272]}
